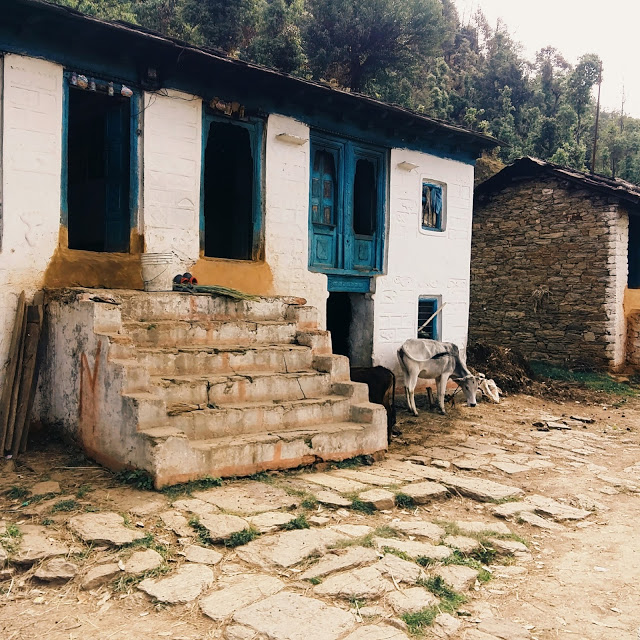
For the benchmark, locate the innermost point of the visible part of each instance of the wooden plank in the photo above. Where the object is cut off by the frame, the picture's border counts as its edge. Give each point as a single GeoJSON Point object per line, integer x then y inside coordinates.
{"type": "Point", "coordinates": [14, 353]}
{"type": "Point", "coordinates": [13, 406]}
{"type": "Point", "coordinates": [28, 378]}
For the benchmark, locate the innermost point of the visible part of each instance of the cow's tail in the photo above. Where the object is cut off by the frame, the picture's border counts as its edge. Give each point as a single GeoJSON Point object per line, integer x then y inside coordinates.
{"type": "Point", "coordinates": [403, 366]}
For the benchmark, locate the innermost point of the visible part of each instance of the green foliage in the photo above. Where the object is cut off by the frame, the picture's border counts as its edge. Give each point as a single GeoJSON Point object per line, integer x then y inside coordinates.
{"type": "Point", "coordinates": [315, 581]}
{"type": "Point", "coordinates": [296, 523]}
{"type": "Point", "coordinates": [416, 53]}
{"type": "Point", "coordinates": [596, 381]}
{"type": "Point", "coordinates": [65, 505]}
{"type": "Point", "coordinates": [241, 537]}
{"type": "Point", "coordinates": [138, 478]}
{"type": "Point", "coordinates": [354, 41]}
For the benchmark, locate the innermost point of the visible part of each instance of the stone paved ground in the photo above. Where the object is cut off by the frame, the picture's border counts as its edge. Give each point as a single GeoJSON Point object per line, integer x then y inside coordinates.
{"type": "Point", "coordinates": [477, 523]}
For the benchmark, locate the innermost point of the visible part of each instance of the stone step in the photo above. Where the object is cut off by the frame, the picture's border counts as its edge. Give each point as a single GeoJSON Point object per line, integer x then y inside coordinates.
{"type": "Point", "coordinates": [183, 460]}
{"type": "Point", "coordinates": [203, 359]}
{"type": "Point", "coordinates": [170, 305]}
{"type": "Point", "coordinates": [175, 333]}
{"type": "Point", "coordinates": [257, 417]}
{"type": "Point", "coordinates": [255, 386]}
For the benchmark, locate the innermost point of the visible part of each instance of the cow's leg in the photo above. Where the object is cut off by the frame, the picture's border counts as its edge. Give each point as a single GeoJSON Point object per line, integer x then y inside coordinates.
{"type": "Point", "coordinates": [430, 397]}
{"type": "Point", "coordinates": [410, 381]}
{"type": "Point", "coordinates": [441, 385]}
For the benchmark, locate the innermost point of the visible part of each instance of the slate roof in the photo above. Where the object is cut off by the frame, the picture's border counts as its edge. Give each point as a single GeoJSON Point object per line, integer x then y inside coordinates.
{"type": "Point", "coordinates": [528, 168]}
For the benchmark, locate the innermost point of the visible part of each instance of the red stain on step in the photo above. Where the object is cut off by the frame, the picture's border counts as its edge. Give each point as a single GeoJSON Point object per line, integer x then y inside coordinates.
{"type": "Point", "coordinates": [87, 406]}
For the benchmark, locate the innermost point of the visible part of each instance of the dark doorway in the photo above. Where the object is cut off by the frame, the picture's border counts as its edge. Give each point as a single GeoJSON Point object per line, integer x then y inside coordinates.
{"type": "Point", "coordinates": [634, 252]}
{"type": "Point", "coordinates": [98, 166]}
{"type": "Point", "coordinates": [228, 192]}
{"type": "Point", "coordinates": [339, 322]}
{"type": "Point", "coordinates": [350, 321]}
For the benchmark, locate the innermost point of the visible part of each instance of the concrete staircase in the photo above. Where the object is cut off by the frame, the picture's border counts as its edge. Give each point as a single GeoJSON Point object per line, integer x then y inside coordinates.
{"type": "Point", "coordinates": [196, 385]}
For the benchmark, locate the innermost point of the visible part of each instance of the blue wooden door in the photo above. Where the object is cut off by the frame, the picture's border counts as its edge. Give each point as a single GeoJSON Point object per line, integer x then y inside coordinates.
{"type": "Point", "coordinates": [117, 177]}
{"type": "Point", "coordinates": [326, 197]}
{"type": "Point", "coordinates": [363, 225]}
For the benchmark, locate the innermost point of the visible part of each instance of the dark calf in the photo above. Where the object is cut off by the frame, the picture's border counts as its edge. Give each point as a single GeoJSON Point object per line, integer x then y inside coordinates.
{"type": "Point", "coordinates": [382, 390]}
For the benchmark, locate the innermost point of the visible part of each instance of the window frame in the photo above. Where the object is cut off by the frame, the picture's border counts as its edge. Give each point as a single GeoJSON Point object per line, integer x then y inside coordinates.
{"type": "Point", "coordinates": [134, 154]}
{"type": "Point", "coordinates": [256, 128]}
{"type": "Point", "coordinates": [442, 222]}
{"type": "Point", "coordinates": [436, 323]}
{"type": "Point", "coordinates": [347, 153]}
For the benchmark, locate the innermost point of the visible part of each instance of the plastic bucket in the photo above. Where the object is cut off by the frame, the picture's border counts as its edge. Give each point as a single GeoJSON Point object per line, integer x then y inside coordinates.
{"type": "Point", "coordinates": [158, 271]}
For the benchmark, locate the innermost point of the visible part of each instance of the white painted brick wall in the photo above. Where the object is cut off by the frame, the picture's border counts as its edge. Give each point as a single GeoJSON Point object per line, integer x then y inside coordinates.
{"type": "Point", "coordinates": [172, 159]}
{"type": "Point", "coordinates": [423, 263]}
{"type": "Point", "coordinates": [31, 173]}
{"type": "Point", "coordinates": [287, 214]}
{"type": "Point", "coordinates": [620, 250]}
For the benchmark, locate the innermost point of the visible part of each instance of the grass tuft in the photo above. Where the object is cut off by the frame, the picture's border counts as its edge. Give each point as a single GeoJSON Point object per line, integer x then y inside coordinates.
{"type": "Point", "coordinates": [403, 501]}
{"type": "Point", "coordinates": [187, 488]}
{"type": "Point", "coordinates": [202, 532]}
{"type": "Point", "coordinates": [419, 621]}
{"type": "Point", "coordinates": [239, 538]}
{"type": "Point", "coordinates": [82, 490]}
{"type": "Point", "coordinates": [126, 582]}
{"type": "Point", "coordinates": [397, 552]}
{"type": "Point", "coordinates": [296, 523]}
{"type": "Point", "coordinates": [138, 478]}
{"type": "Point", "coordinates": [450, 599]}
{"type": "Point", "coordinates": [362, 506]}
{"type": "Point", "coordinates": [309, 502]}
{"type": "Point", "coordinates": [17, 493]}
{"type": "Point", "coordinates": [65, 505]}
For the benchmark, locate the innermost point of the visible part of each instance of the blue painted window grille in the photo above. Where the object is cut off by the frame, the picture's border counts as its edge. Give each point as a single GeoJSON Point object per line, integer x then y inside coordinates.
{"type": "Point", "coordinates": [432, 206]}
{"type": "Point", "coordinates": [426, 308]}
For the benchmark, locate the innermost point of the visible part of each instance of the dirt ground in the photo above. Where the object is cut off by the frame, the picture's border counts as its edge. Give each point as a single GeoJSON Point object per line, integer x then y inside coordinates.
{"type": "Point", "coordinates": [580, 583]}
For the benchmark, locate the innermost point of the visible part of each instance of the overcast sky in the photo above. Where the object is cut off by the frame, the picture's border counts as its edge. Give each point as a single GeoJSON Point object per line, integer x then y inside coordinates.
{"type": "Point", "coordinates": [611, 29]}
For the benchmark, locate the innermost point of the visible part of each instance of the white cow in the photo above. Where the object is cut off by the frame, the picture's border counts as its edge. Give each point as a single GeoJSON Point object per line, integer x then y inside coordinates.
{"type": "Point", "coordinates": [437, 361]}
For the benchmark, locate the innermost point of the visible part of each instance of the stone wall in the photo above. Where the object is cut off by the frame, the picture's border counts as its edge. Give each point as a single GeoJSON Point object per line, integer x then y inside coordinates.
{"type": "Point", "coordinates": [549, 267]}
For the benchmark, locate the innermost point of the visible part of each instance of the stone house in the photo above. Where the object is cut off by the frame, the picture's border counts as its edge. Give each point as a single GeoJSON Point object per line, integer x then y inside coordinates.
{"type": "Point", "coordinates": [556, 265]}
{"type": "Point", "coordinates": [121, 147]}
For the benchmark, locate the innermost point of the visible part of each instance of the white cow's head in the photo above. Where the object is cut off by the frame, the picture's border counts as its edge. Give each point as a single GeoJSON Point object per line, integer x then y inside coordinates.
{"type": "Point", "coordinates": [469, 386]}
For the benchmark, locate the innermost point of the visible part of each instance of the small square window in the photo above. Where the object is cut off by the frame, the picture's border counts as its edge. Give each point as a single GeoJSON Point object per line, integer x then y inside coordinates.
{"type": "Point", "coordinates": [426, 308]}
{"type": "Point", "coordinates": [433, 196]}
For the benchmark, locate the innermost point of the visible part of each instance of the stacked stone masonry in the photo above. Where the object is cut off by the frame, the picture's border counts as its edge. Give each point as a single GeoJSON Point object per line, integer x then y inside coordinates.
{"type": "Point", "coordinates": [549, 269]}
